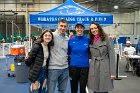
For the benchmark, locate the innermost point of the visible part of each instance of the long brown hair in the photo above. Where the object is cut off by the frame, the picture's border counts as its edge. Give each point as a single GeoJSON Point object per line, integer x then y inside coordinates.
{"type": "Point", "coordinates": [101, 32]}
{"type": "Point", "coordinates": [40, 39]}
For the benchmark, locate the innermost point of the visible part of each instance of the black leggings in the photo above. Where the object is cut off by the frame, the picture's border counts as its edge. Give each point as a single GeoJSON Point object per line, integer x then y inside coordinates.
{"type": "Point", "coordinates": [100, 92]}
{"type": "Point", "coordinates": [78, 75]}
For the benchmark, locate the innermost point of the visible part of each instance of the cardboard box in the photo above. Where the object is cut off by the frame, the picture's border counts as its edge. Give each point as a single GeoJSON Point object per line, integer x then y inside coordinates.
{"type": "Point", "coordinates": [17, 50]}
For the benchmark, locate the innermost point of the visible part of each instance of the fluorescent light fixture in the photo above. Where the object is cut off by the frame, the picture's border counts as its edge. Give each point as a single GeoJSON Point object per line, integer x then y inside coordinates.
{"type": "Point", "coordinates": [116, 7]}
{"type": "Point", "coordinates": [86, 1]}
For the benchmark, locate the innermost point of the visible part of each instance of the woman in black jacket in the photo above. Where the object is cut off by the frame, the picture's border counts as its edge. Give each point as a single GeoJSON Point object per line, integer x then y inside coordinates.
{"type": "Point", "coordinates": [38, 61]}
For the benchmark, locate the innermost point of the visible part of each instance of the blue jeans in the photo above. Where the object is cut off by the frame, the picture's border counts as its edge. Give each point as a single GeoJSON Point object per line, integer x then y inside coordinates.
{"type": "Point", "coordinates": [41, 78]}
{"type": "Point", "coordinates": [59, 76]}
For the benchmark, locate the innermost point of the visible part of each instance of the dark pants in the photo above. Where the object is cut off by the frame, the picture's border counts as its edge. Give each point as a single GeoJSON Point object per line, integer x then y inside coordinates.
{"type": "Point", "coordinates": [133, 62]}
{"type": "Point", "coordinates": [41, 77]}
{"type": "Point", "coordinates": [100, 92]}
{"type": "Point", "coordinates": [79, 76]}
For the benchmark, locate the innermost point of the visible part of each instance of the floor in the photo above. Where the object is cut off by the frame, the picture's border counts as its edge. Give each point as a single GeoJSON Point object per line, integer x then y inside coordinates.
{"type": "Point", "coordinates": [129, 84]}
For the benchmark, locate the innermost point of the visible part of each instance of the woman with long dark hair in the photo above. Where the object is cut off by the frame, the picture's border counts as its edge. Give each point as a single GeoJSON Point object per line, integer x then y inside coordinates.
{"type": "Point", "coordinates": [38, 61]}
{"type": "Point", "coordinates": [102, 66]}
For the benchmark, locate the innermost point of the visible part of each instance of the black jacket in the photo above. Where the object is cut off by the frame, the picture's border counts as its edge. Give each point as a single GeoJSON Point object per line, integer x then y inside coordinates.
{"type": "Point", "coordinates": [35, 61]}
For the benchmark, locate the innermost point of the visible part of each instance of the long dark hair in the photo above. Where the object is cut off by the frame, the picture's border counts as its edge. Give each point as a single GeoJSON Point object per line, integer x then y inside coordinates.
{"type": "Point", "coordinates": [40, 39]}
{"type": "Point", "coordinates": [101, 33]}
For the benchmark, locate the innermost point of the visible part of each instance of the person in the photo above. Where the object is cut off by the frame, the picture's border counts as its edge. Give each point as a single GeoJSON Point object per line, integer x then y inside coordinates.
{"type": "Point", "coordinates": [71, 35]}
{"type": "Point", "coordinates": [58, 72]}
{"type": "Point", "coordinates": [33, 39]}
{"type": "Point", "coordinates": [78, 50]}
{"type": "Point", "coordinates": [138, 47]}
{"type": "Point", "coordinates": [102, 70]}
{"type": "Point", "coordinates": [19, 40]}
{"type": "Point", "coordinates": [128, 51]}
{"type": "Point", "coordinates": [26, 44]}
{"type": "Point", "coordinates": [38, 61]}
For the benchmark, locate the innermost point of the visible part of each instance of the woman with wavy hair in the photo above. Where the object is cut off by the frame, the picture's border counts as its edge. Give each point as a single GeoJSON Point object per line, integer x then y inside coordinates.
{"type": "Point", "coordinates": [102, 66]}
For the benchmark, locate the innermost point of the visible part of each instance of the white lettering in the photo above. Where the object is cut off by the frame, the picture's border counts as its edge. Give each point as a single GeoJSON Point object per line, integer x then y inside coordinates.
{"type": "Point", "coordinates": [81, 19]}
{"type": "Point", "coordinates": [78, 19]}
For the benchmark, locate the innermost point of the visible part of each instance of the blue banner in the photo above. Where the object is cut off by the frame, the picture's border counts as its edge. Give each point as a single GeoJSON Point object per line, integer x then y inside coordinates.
{"type": "Point", "coordinates": [73, 13]}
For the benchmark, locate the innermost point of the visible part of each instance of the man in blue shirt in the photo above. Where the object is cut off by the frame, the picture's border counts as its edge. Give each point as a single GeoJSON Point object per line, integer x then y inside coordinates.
{"type": "Point", "coordinates": [78, 50]}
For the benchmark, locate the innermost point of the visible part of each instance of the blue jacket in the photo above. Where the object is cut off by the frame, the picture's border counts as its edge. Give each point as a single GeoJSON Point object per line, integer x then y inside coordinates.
{"type": "Point", "coordinates": [78, 49]}
{"type": "Point", "coordinates": [138, 47]}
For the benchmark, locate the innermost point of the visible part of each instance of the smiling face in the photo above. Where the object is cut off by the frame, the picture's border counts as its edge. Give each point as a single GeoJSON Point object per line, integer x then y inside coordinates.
{"type": "Point", "coordinates": [47, 37]}
{"type": "Point", "coordinates": [94, 29]}
{"type": "Point", "coordinates": [62, 27]}
{"type": "Point", "coordinates": [79, 28]}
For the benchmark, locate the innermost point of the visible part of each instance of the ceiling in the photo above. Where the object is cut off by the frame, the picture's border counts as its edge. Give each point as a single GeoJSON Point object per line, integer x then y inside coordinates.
{"type": "Point", "coordinates": [106, 6]}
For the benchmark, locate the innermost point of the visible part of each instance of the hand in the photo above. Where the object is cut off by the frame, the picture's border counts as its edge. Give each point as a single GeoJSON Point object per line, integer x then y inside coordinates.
{"type": "Point", "coordinates": [26, 55]}
{"type": "Point", "coordinates": [113, 77]}
{"type": "Point", "coordinates": [44, 83]}
{"type": "Point", "coordinates": [35, 85]}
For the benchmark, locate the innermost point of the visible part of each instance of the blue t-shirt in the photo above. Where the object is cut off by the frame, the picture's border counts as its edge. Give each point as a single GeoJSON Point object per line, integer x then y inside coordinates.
{"type": "Point", "coordinates": [78, 48]}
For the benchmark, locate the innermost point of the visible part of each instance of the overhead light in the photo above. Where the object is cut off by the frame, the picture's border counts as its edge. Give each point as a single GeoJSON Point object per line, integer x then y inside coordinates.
{"type": "Point", "coordinates": [131, 2]}
{"type": "Point", "coordinates": [116, 7]}
{"type": "Point", "coordinates": [85, 1]}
